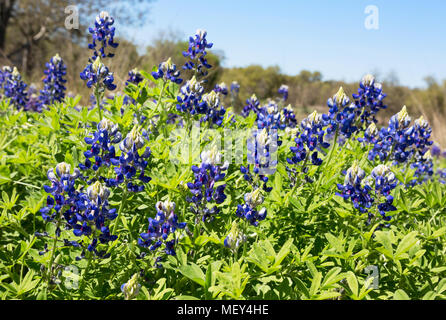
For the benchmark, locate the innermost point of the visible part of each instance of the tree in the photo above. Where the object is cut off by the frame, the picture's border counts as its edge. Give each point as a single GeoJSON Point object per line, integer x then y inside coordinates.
{"type": "Point", "coordinates": [25, 24]}
{"type": "Point", "coordinates": [170, 45]}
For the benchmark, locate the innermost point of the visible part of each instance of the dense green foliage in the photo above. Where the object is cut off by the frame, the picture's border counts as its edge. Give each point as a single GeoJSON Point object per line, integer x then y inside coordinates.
{"type": "Point", "coordinates": [312, 245]}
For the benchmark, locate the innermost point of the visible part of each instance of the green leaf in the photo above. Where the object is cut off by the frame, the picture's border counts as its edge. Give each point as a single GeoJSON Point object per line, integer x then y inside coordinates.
{"type": "Point", "coordinates": [315, 284]}
{"type": "Point", "coordinates": [194, 273]}
{"type": "Point", "coordinates": [406, 243]}
{"type": "Point", "coordinates": [302, 287]}
{"type": "Point", "coordinates": [284, 251]}
{"type": "Point", "coordinates": [183, 297]}
{"type": "Point", "coordinates": [208, 281]}
{"type": "Point", "coordinates": [400, 295]}
{"type": "Point", "coordinates": [331, 277]}
{"type": "Point", "coordinates": [352, 283]}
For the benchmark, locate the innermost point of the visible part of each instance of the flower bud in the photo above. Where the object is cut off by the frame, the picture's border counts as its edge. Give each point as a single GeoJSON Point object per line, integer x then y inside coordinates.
{"type": "Point", "coordinates": [131, 288]}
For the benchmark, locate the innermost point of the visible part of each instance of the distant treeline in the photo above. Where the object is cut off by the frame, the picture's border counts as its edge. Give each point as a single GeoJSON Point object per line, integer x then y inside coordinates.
{"type": "Point", "coordinates": [307, 90]}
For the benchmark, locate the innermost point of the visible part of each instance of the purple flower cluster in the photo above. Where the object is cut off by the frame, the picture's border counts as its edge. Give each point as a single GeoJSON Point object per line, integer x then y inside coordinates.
{"type": "Point", "coordinates": [369, 100]}
{"type": "Point", "coordinates": [86, 213]}
{"type": "Point", "coordinates": [341, 114]}
{"type": "Point", "coordinates": [366, 192]}
{"type": "Point", "coordinates": [249, 211]}
{"type": "Point", "coordinates": [204, 189]}
{"type": "Point", "coordinates": [190, 98]}
{"type": "Point", "coordinates": [221, 88]}
{"type": "Point", "coordinates": [310, 140]}
{"type": "Point", "coordinates": [103, 34]}
{"type": "Point", "coordinates": [14, 88]}
{"type": "Point", "coordinates": [54, 88]}
{"type": "Point", "coordinates": [135, 77]}
{"type": "Point", "coordinates": [128, 165]}
{"type": "Point", "coordinates": [197, 54]}
{"type": "Point", "coordinates": [168, 71]}
{"type": "Point", "coordinates": [102, 148]}
{"type": "Point", "coordinates": [235, 89]}
{"type": "Point", "coordinates": [269, 116]}
{"type": "Point", "coordinates": [252, 104]}
{"type": "Point", "coordinates": [98, 75]}
{"type": "Point", "coordinates": [214, 110]}
{"type": "Point", "coordinates": [400, 141]}
{"type": "Point", "coordinates": [261, 147]}
{"type": "Point", "coordinates": [161, 227]}
{"type": "Point", "coordinates": [5, 72]}
{"type": "Point", "coordinates": [283, 90]}
{"type": "Point", "coordinates": [131, 163]}
{"type": "Point", "coordinates": [354, 190]}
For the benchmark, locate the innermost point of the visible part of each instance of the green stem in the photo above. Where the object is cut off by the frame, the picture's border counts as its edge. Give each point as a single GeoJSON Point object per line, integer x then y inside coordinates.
{"type": "Point", "coordinates": [330, 155]}
{"type": "Point", "coordinates": [49, 270]}
{"type": "Point", "coordinates": [159, 100]}
{"type": "Point", "coordinates": [121, 208]}
{"type": "Point", "coordinates": [98, 104]}
{"type": "Point", "coordinates": [81, 287]}
{"type": "Point", "coordinates": [245, 228]}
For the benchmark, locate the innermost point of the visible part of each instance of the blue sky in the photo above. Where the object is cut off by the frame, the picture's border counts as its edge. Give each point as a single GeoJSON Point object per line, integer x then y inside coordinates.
{"type": "Point", "coordinates": [321, 35]}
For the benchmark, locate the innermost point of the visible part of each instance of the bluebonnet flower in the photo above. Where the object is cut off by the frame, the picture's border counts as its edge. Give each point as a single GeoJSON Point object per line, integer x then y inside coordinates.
{"type": "Point", "coordinates": [424, 168]}
{"type": "Point", "coordinates": [396, 141]}
{"type": "Point", "coordinates": [441, 173]}
{"type": "Point", "coordinates": [161, 227]}
{"type": "Point", "coordinates": [235, 88]}
{"type": "Point", "coordinates": [355, 190]}
{"type": "Point", "coordinates": [92, 215]}
{"type": "Point", "coordinates": [421, 135]}
{"type": "Point", "coordinates": [102, 148]}
{"type": "Point", "coordinates": [214, 110]}
{"type": "Point", "coordinates": [131, 162]}
{"type": "Point", "coordinates": [269, 116]}
{"type": "Point", "coordinates": [54, 89]}
{"type": "Point", "coordinates": [261, 147]}
{"type": "Point", "coordinates": [5, 72]}
{"type": "Point", "coordinates": [197, 54]}
{"type": "Point", "coordinates": [283, 90]}
{"type": "Point", "coordinates": [14, 88]}
{"type": "Point", "coordinates": [168, 71]}
{"type": "Point", "coordinates": [33, 103]}
{"type": "Point", "coordinates": [249, 211]}
{"type": "Point", "coordinates": [371, 135]}
{"type": "Point", "coordinates": [341, 114]}
{"type": "Point", "coordinates": [221, 88]}
{"type": "Point", "coordinates": [436, 150]}
{"type": "Point", "coordinates": [103, 34]}
{"type": "Point", "coordinates": [131, 288]}
{"type": "Point", "coordinates": [62, 190]}
{"type": "Point", "coordinates": [310, 140]}
{"type": "Point", "coordinates": [252, 104]}
{"type": "Point", "coordinates": [204, 190]}
{"type": "Point", "coordinates": [235, 238]}
{"type": "Point", "coordinates": [383, 180]}
{"type": "Point", "coordinates": [98, 75]}
{"type": "Point", "coordinates": [190, 98]}
{"type": "Point", "coordinates": [288, 117]}
{"type": "Point", "coordinates": [369, 99]}
{"type": "Point", "coordinates": [86, 213]}
{"type": "Point", "coordinates": [135, 77]}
